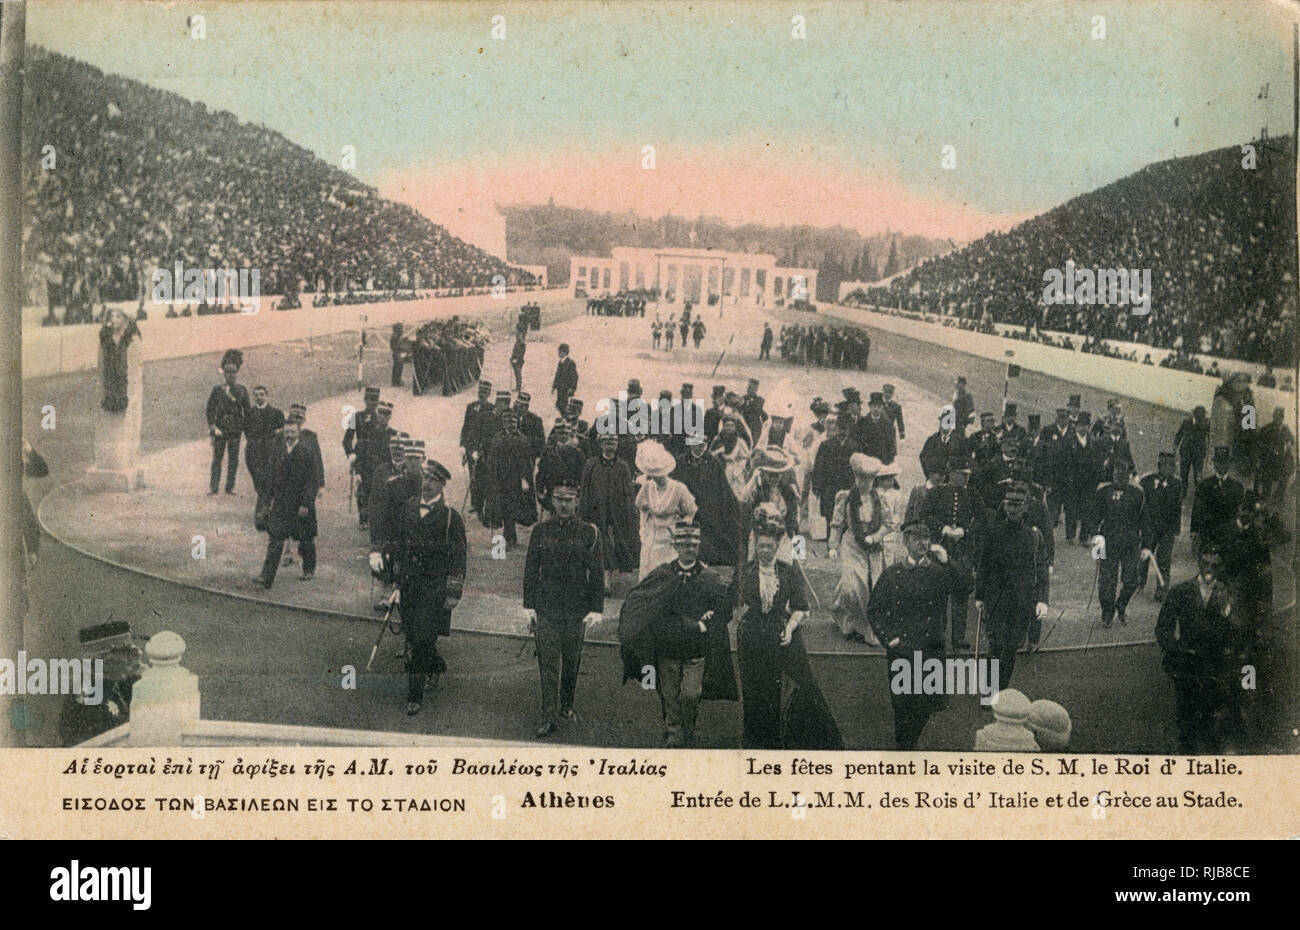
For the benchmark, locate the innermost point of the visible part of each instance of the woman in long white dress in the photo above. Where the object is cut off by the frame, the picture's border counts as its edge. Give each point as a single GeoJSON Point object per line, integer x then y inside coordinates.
{"type": "Point", "coordinates": [662, 501]}
{"type": "Point", "coordinates": [893, 508]}
{"type": "Point", "coordinates": [857, 537]}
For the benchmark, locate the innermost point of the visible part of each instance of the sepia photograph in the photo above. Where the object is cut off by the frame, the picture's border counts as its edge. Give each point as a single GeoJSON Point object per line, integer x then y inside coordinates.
{"type": "Point", "coordinates": [889, 387]}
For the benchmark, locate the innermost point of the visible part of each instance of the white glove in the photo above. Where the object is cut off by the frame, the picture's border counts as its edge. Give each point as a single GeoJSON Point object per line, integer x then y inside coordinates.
{"type": "Point", "coordinates": [1040, 610]}
{"type": "Point", "coordinates": [940, 554]}
{"type": "Point", "coordinates": [376, 562]}
{"type": "Point", "coordinates": [530, 615]}
{"type": "Point", "coordinates": [591, 619]}
{"type": "Point", "coordinates": [832, 553]}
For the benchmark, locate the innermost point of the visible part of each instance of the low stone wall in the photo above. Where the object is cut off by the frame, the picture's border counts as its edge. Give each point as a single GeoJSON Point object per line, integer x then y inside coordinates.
{"type": "Point", "coordinates": [50, 350]}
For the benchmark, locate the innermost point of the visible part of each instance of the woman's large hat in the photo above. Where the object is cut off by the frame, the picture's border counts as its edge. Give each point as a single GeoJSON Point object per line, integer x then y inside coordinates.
{"type": "Point", "coordinates": [772, 459]}
{"type": "Point", "coordinates": [888, 471]}
{"type": "Point", "coordinates": [654, 460]}
{"type": "Point", "coordinates": [865, 466]}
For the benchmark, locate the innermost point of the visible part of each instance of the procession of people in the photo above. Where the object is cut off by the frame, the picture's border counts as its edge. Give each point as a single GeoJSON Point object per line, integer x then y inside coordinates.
{"type": "Point", "coordinates": [703, 533]}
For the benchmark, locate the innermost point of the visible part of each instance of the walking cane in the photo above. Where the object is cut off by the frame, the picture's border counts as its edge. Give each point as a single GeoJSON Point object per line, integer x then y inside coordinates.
{"type": "Point", "coordinates": [393, 600]}
{"type": "Point", "coordinates": [979, 621]}
{"type": "Point", "coordinates": [721, 357]}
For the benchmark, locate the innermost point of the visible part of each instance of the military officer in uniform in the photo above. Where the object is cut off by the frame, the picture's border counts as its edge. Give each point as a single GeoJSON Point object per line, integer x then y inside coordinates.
{"type": "Point", "coordinates": [1164, 495]}
{"type": "Point", "coordinates": [469, 442]}
{"type": "Point", "coordinates": [1012, 583]}
{"type": "Point", "coordinates": [530, 424]}
{"type": "Point", "coordinates": [954, 514]}
{"type": "Point", "coordinates": [1124, 524]}
{"type": "Point", "coordinates": [227, 410]}
{"type": "Point", "coordinates": [564, 594]}
{"type": "Point", "coordinates": [428, 565]}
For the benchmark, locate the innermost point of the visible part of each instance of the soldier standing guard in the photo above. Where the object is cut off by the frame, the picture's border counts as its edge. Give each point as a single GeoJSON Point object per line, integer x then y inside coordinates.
{"type": "Point", "coordinates": [227, 412]}
{"type": "Point", "coordinates": [429, 568]}
{"type": "Point", "coordinates": [355, 441]}
{"type": "Point", "coordinates": [564, 593]}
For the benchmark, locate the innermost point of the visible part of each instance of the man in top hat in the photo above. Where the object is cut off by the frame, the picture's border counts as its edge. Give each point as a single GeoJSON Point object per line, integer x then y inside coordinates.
{"type": "Point", "coordinates": [964, 404]}
{"type": "Point", "coordinates": [1217, 496]}
{"type": "Point", "coordinates": [227, 412]}
{"type": "Point", "coordinates": [1164, 497]}
{"type": "Point", "coordinates": [530, 424]}
{"type": "Point", "coordinates": [1075, 406]}
{"type": "Point", "coordinates": [988, 480]}
{"type": "Point", "coordinates": [1191, 441]}
{"type": "Point", "coordinates": [472, 443]}
{"type": "Point", "coordinates": [1123, 522]}
{"type": "Point", "coordinates": [984, 443]}
{"type": "Point", "coordinates": [954, 516]}
{"type": "Point", "coordinates": [260, 428]}
{"type": "Point", "coordinates": [713, 416]}
{"type": "Point", "coordinates": [1079, 473]}
{"type": "Point", "coordinates": [1049, 466]}
{"type": "Point", "coordinates": [564, 593]}
{"type": "Point", "coordinates": [561, 463]}
{"type": "Point", "coordinates": [1113, 446]}
{"type": "Point", "coordinates": [581, 429]}
{"type": "Point", "coordinates": [894, 410]}
{"type": "Point", "coordinates": [849, 412]}
{"type": "Point", "coordinates": [1009, 425]}
{"type": "Point", "coordinates": [565, 384]}
{"type": "Point", "coordinates": [718, 517]}
{"type": "Point", "coordinates": [676, 620]}
{"type": "Point", "coordinates": [1195, 634]}
{"type": "Point", "coordinates": [355, 441]}
{"type": "Point", "coordinates": [510, 495]}
{"type": "Point", "coordinates": [874, 433]}
{"type": "Point", "coordinates": [908, 610]}
{"type": "Point", "coordinates": [517, 359]}
{"type": "Point", "coordinates": [291, 471]}
{"type": "Point", "coordinates": [946, 449]}
{"type": "Point", "coordinates": [751, 408]}
{"type": "Point", "coordinates": [1012, 583]}
{"type": "Point", "coordinates": [428, 565]}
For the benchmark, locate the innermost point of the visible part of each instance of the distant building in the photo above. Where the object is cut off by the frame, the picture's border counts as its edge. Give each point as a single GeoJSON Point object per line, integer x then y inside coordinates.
{"type": "Point", "coordinates": [695, 275]}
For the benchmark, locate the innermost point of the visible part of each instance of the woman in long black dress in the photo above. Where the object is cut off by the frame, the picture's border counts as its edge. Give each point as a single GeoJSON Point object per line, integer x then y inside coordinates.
{"type": "Point", "coordinates": [783, 707]}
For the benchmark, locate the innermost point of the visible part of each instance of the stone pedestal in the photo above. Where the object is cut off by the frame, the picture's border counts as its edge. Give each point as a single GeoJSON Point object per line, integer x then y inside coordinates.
{"type": "Point", "coordinates": [117, 435]}
{"type": "Point", "coordinates": [166, 697]}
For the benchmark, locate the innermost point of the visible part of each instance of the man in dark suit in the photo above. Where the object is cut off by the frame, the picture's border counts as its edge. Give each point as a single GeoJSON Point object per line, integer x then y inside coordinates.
{"type": "Point", "coordinates": [984, 443]}
{"type": "Point", "coordinates": [954, 515]}
{"type": "Point", "coordinates": [291, 471]}
{"type": "Point", "coordinates": [1080, 473]}
{"type": "Point", "coordinates": [874, 433]}
{"type": "Point", "coordinates": [263, 423]}
{"type": "Point", "coordinates": [964, 404]}
{"type": "Point", "coordinates": [429, 567]}
{"type": "Point", "coordinates": [227, 412]}
{"type": "Point", "coordinates": [945, 450]}
{"type": "Point", "coordinates": [1191, 440]}
{"type": "Point", "coordinates": [1048, 466]}
{"type": "Point", "coordinates": [530, 424]}
{"type": "Point", "coordinates": [397, 349]}
{"type": "Point", "coordinates": [517, 359]}
{"type": "Point", "coordinates": [1010, 427]}
{"type": "Point", "coordinates": [566, 379]}
{"type": "Point", "coordinates": [751, 410]}
{"type": "Point", "coordinates": [471, 443]}
{"type": "Point", "coordinates": [1123, 522]}
{"type": "Point", "coordinates": [894, 410]}
{"type": "Point", "coordinates": [1194, 632]}
{"type": "Point", "coordinates": [1164, 494]}
{"type": "Point", "coordinates": [1217, 496]}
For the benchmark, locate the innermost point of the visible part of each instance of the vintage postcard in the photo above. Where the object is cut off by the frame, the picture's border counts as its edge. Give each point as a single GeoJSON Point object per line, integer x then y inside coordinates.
{"type": "Point", "coordinates": [649, 419]}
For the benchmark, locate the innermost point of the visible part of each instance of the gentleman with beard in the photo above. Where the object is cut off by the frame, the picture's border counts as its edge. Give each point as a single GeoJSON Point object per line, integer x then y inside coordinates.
{"type": "Point", "coordinates": [561, 463]}
{"type": "Point", "coordinates": [472, 443]}
{"type": "Point", "coordinates": [988, 481]}
{"type": "Point", "coordinates": [291, 472]}
{"type": "Point", "coordinates": [1124, 524]}
{"type": "Point", "coordinates": [1164, 496]}
{"type": "Point", "coordinates": [1012, 582]}
{"type": "Point", "coordinates": [530, 424]}
{"type": "Point", "coordinates": [718, 517]}
{"type": "Point", "coordinates": [510, 498]}
{"type": "Point", "coordinates": [733, 452]}
{"type": "Point", "coordinates": [1195, 633]}
{"type": "Point", "coordinates": [946, 449]}
{"type": "Point", "coordinates": [260, 429]}
{"type": "Point", "coordinates": [429, 567]}
{"type": "Point", "coordinates": [608, 500]}
{"type": "Point", "coordinates": [874, 433]}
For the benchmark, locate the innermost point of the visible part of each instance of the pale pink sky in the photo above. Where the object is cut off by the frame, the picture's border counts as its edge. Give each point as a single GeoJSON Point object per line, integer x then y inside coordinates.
{"type": "Point", "coordinates": [764, 186]}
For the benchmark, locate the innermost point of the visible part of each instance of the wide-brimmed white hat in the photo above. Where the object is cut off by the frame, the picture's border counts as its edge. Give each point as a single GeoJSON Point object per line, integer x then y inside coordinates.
{"type": "Point", "coordinates": [865, 466]}
{"type": "Point", "coordinates": [654, 460]}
